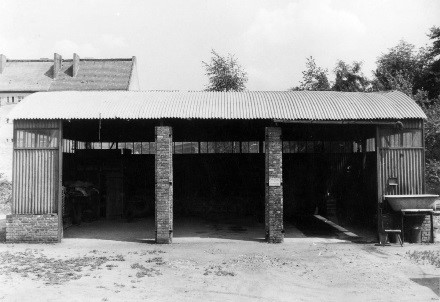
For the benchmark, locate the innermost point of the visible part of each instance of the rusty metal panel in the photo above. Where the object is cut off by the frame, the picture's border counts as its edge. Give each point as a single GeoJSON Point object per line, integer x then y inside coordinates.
{"type": "Point", "coordinates": [402, 171]}
{"type": "Point", "coordinates": [35, 174]}
{"type": "Point", "coordinates": [282, 105]}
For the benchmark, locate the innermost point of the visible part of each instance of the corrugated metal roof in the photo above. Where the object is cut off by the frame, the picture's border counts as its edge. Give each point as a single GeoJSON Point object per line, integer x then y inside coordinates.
{"type": "Point", "coordinates": [284, 105]}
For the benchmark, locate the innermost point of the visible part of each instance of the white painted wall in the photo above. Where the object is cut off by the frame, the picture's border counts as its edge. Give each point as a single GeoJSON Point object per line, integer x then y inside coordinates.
{"type": "Point", "coordinates": [6, 131]}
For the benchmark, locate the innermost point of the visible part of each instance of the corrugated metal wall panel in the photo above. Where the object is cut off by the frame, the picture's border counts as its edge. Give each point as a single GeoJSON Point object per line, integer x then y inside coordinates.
{"type": "Point", "coordinates": [35, 174]}
{"type": "Point", "coordinates": [34, 184]}
{"type": "Point", "coordinates": [407, 166]}
{"type": "Point", "coordinates": [284, 105]}
{"type": "Point", "coordinates": [412, 124]}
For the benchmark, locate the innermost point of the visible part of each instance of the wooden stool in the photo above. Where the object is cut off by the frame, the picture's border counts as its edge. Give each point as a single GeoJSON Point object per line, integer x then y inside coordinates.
{"type": "Point", "coordinates": [397, 232]}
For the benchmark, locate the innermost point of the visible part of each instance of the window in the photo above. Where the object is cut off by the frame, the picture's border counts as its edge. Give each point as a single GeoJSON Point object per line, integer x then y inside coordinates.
{"type": "Point", "coordinates": [254, 147]}
{"type": "Point", "coordinates": [145, 148]}
{"type": "Point", "coordinates": [203, 147]}
{"type": "Point", "coordinates": [37, 138]}
{"type": "Point", "coordinates": [408, 138]}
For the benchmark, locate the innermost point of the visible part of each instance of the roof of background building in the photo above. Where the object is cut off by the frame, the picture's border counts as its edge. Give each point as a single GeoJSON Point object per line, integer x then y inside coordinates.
{"type": "Point", "coordinates": [30, 75]}
{"type": "Point", "coordinates": [111, 74]}
{"type": "Point", "coordinates": [283, 105]}
{"type": "Point", "coordinates": [93, 74]}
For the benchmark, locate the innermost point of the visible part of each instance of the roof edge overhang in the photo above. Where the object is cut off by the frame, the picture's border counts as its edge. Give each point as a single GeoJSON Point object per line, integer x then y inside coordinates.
{"type": "Point", "coordinates": [281, 121]}
{"type": "Point", "coordinates": [349, 122]}
{"type": "Point", "coordinates": [21, 91]}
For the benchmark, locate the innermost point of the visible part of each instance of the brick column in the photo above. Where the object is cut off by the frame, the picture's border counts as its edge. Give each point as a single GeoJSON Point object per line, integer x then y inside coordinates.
{"type": "Point", "coordinates": [274, 186]}
{"type": "Point", "coordinates": [164, 184]}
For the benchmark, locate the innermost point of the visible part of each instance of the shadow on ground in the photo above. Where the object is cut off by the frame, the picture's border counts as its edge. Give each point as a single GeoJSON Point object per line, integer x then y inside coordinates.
{"type": "Point", "coordinates": [185, 228]}
{"type": "Point", "coordinates": [432, 283]}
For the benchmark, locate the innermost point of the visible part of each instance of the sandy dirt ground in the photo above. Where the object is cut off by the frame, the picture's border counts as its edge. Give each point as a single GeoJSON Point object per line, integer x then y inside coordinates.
{"type": "Point", "coordinates": [214, 263]}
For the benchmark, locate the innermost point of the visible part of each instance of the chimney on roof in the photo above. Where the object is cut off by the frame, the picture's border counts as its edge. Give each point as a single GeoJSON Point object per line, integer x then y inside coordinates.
{"type": "Point", "coordinates": [75, 65]}
{"type": "Point", "coordinates": [2, 62]}
{"type": "Point", "coordinates": [57, 59]}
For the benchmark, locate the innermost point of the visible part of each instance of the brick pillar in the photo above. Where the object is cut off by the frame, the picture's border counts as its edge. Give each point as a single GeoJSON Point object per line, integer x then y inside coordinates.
{"type": "Point", "coordinates": [164, 184]}
{"type": "Point", "coordinates": [274, 186]}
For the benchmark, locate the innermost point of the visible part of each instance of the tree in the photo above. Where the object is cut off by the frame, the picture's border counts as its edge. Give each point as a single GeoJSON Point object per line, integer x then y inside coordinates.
{"type": "Point", "coordinates": [431, 78]}
{"type": "Point", "coordinates": [401, 68]}
{"type": "Point", "coordinates": [314, 77]}
{"type": "Point", "coordinates": [349, 77]}
{"type": "Point", "coordinates": [434, 34]}
{"type": "Point", "coordinates": [225, 73]}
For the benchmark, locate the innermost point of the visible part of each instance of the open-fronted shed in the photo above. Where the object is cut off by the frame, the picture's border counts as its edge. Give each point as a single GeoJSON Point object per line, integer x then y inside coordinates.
{"type": "Point", "coordinates": [305, 151]}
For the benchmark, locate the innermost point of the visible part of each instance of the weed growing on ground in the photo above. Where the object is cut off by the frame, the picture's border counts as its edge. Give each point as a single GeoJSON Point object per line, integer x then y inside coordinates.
{"type": "Point", "coordinates": [110, 266]}
{"type": "Point", "coordinates": [157, 260]}
{"type": "Point", "coordinates": [153, 252]}
{"type": "Point", "coordinates": [34, 265]}
{"type": "Point", "coordinates": [431, 257]}
{"type": "Point", "coordinates": [218, 271]}
{"type": "Point", "coordinates": [119, 257]}
{"type": "Point", "coordinates": [143, 271]}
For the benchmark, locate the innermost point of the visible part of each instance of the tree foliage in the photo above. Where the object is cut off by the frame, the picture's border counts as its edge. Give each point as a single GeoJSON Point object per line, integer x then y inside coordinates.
{"type": "Point", "coordinates": [432, 145]}
{"type": "Point", "coordinates": [5, 195]}
{"type": "Point", "coordinates": [349, 77]}
{"type": "Point", "coordinates": [431, 78]}
{"type": "Point", "coordinates": [416, 72]}
{"type": "Point", "coordinates": [314, 77]}
{"type": "Point", "coordinates": [402, 66]}
{"type": "Point", "coordinates": [434, 34]}
{"type": "Point", "coordinates": [225, 73]}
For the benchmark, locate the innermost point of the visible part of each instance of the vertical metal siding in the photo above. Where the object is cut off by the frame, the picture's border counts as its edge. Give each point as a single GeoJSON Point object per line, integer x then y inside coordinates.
{"type": "Point", "coordinates": [407, 166]}
{"type": "Point", "coordinates": [413, 124]}
{"type": "Point", "coordinates": [35, 174]}
{"type": "Point", "coordinates": [34, 183]}
{"type": "Point", "coordinates": [36, 124]}
{"type": "Point", "coordinates": [405, 163]}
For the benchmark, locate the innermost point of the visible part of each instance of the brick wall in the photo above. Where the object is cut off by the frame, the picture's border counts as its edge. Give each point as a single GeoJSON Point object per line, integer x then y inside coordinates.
{"type": "Point", "coordinates": [164, 184]}
{"type": "Point", "coordinates": [32, 228]}
{"type": "Point", "coordinates": [274, 186]}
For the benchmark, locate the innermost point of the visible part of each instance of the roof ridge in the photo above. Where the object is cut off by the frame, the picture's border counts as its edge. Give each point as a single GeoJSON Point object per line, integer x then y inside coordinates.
{"type": "Point", "coordinates": [69, 60]}
{"type": "Point", "coordinates": [247, 91]}
{"type": "Point", "coordinates": [106, 59]}
{"type": "Point", "coordinates": [30, 60]}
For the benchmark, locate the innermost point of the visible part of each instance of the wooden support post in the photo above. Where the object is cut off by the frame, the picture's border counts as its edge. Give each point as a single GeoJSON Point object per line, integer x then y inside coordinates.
{"type": "Point", "coordinates": [60, 181]}
{"type": "Point", "coordinates": [378, 181]}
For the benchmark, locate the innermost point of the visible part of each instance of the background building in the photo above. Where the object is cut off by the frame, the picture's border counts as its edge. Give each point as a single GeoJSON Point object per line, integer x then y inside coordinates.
{"type": "Point", "coordinates": [19, 78]}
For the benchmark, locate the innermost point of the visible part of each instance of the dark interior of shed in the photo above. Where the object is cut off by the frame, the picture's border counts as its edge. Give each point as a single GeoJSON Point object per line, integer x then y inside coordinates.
{"type": "Point", "coordinates": [330, 170]}
{"type": "Point", "coordinates": [327, 169]}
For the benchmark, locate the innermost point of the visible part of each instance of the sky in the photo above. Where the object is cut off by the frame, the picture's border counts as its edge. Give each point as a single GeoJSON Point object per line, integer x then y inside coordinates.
{"type": "Point", "coordinates": [270, 39]}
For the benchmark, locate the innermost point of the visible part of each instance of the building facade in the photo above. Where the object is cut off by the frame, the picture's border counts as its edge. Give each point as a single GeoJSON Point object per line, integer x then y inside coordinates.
{"type": "Point", "coordinates": [270, 155]}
